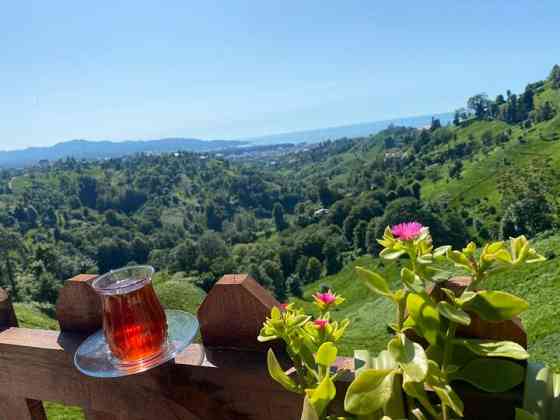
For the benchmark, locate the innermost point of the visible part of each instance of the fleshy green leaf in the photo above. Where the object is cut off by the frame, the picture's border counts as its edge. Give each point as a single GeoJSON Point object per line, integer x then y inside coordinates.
{"type": "Point", "coordinates": [308, 412]}
{"type": "Point", "coordinates": [374, 281]}
{"type": "Point", "coordinates": [369, 392]}
{"type": "Point", "coordinates": [278, 374]}
{"type": "Point", "coordinates": [412, 280]}
{"type": "Point", "coordinates": [390, 254]}
{"type": "Point", "coordinates": [491, 375]}
{"type": "Point", "coordinates": [321, 396]}
{"type": "Point", "coordinates": [441, 251]}
{"type": "Point", "coordinates": [425, 315]}
{"type": "Point", "coordinates": [450, 398]}
{"type": "Point", "coordinates": [410, 356]}
{"type": "Point", "coordinates": [489, 348]}
{"type": "Point", "coordinates": [496, 305]}
{"type": "Point", "coordinates": [459, 259]}
{"type": "Point", "coordinates": [418, 391]}
{"type": "Point", "coordinates": [326, 355]}
{"type": "Point", "coordinates": [453, 313]}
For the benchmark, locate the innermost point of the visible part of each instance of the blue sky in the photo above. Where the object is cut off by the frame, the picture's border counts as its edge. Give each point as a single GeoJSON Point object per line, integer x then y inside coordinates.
{"type": "Point", "coordinates": [232, 69]}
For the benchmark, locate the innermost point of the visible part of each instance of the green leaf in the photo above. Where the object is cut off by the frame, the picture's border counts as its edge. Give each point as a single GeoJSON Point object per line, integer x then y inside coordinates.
{"type": "Point", "coordinates": [321, 396]}
{"type": "Point", "coordinates": [390, 254]}
{"type": "Point", "coordinates": [521, 414]}
{"type": "Point", "coordinates": [459, 259]}
{"type": "Point", "coordinates": [489, 348]}
{"type": "Point", "coordinates": [417, 390]}
{"type": "Point", "coordinates": [425, 315]}
{"type": "Point", "coordinates": [369, 392]}
{"type": "Point", "coordinates": [412, 281]}
{"type": "Point", "coordinates": [491, 375]}
{"type": "Point", "coordinates": [374, 281]}
{"type": "Point", "coordinates": [278, 374]}
{"type": "Point", "coordinates": [326, 355]}
{"type": "Point", "coordinates": [450, 398]}
{"type": "Point", "coordinates": [441, 251]}
{"type": "Point", "coordinates": [453, 313]}
{"type": "Point", "coordinates": [275, 313]}
{"type": "Point", "coordinates": [308, 412]}
{"type": "Point", "coordinates": [410, 356]}
{"type": "Point", "coordinates": [496, 305]}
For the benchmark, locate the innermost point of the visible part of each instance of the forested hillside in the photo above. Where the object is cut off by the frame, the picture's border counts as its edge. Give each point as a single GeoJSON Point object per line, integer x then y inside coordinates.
{"type": "Point", "coordinates": [288, 221]}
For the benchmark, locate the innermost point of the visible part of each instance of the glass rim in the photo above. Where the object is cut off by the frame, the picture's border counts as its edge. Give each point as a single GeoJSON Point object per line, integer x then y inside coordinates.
{"type": "Point", "coordinates": [113, 288]}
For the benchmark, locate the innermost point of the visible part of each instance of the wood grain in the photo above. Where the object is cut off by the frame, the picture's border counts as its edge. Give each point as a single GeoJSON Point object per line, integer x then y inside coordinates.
{"type": "Point", "coordinates": [78, 307]}
{"type": "Point", "coordinates": [233, 312]}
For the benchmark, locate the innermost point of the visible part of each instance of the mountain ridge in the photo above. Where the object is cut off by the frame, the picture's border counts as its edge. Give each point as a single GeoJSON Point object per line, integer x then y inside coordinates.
{"type": "Point", "coordinates": [99, 149]}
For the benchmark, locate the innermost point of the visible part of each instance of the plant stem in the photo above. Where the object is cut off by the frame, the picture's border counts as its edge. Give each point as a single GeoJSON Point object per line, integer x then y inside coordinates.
{"type": "Point", "coordinates": [447, 354]}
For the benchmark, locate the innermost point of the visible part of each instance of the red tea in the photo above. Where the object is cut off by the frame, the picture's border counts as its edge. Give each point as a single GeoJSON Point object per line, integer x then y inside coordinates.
{"type": "Point", "coordinates": [134, 323]}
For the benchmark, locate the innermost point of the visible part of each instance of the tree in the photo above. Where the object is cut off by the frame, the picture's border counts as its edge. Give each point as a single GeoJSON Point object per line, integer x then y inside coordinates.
{"type": "Point", "coordinates": [479, 104]}
{"type": "Point", "coordinates": [111, 254]}
{"type": "Point", "coordinates": [526, 217]}
{"type": "Point", "coordinates": [436, 123]}
{"type": "Point", "coordinates": [211, 245]}
{"type": "Point", "coordinates": [554, 77]}
{"type": "Point", "coordinates": [455, 169]}
{"type": "Point", "coordinates": [360, 236]}
{"type": "Point", "coordinates": [314, 269]}
{"type": "Point", "coordinates": [332, 250]}
{"type": "Point", "coordinates": [274, 272]}
{"type": "Point", "coordinates": [186, 254]}
{"type": "Point", "coordinates": [11, 248]}
{"type": "Point", "coordinates": [371, 240]}
{"type": "Point", "coordinates": [278, 215]}
{"type": "Point", "coordinates": [326, 195]}
{"type": "Point", "coordinates": [294, 283]}
{"type": "Point", "coordinates": [87, 190]}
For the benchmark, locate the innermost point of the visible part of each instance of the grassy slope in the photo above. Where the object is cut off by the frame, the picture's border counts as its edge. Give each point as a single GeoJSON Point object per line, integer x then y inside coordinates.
{"type": "Point", "coordinates": [538, 284]}
{"type": "Point", "coordinates": [174, 292]}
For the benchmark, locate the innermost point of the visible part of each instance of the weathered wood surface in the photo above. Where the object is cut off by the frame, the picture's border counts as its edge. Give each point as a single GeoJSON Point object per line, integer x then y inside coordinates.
{"type": "Point", "coordinates": [38, 364]}
{"type": "Point", "coordinates": [78, 307]}
{"type": "Point", "coordinates": [15, 407]}
{"type": "Point", "coordinates": [233, 312]}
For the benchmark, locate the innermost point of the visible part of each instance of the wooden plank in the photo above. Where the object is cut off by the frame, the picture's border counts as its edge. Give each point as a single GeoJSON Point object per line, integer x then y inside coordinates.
{"type": "Point", "coordinates": [235, 385]}
{"type": "Point", "coordinates": [11, 407]}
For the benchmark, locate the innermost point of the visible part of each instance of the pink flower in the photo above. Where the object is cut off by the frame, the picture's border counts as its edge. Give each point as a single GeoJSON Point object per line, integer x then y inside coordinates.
{"type": "Point", "coordinates": [321, 323]}
{"type": "Point", "coordinates": [327, 298]}
{"type": "Point", "coordinates": [407, 231]}
{"type": "Point", "coordinates": [284, 306]}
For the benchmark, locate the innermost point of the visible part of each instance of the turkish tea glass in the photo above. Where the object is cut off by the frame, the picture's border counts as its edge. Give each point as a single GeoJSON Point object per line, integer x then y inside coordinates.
{"type": "Point", "coordinates": [134, 322]}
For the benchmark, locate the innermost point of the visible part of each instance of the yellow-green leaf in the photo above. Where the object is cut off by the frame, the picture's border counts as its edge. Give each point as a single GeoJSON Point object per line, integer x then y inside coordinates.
{"type": "Point", "coordinates": [489, 348]}
{"type": "Point", "coordinates": [496, 305]}
{"type": "Point", "coordinates": [453, 313]}
{"type": "Point", "coordinates": [326, 355]}
{"type": "Point", "coordinates": [425, 315]}
{"type": "Point", "coordinates": [374, 281]}
{"type": "Point", "coordinates": [369, 392]}
{"type": "Point", "coordinates": [449, 398]}
{"type": "Point", "coordinates": [491, 375]}
{"type": "Point", "coordinates": [278, 374]}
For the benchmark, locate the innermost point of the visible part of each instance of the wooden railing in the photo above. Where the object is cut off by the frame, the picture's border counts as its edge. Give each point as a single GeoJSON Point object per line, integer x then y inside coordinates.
{"type": "Point", "coordinates": [232, 383]}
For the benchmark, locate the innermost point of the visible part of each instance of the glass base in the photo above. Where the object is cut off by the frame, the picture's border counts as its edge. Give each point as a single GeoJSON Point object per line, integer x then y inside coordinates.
{"type": "Point", "coordinates": [93, 357]}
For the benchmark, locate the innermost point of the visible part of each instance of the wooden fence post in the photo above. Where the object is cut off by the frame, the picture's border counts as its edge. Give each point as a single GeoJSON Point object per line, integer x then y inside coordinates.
{"type": "Point", "coordinates": [14, 407]}
{"type": "Point", "coordinates": [233, 312]}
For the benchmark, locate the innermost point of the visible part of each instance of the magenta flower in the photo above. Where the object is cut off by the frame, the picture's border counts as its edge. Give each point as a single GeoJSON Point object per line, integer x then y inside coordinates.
{"type": "Point", "coordinates": [321, 323]}
{"type": "Point", "coordinates": [407, 231]}
{"type": "Point", "coordinates": [326, 298]}
{"type": "Point", "coordinates": [284, 306]}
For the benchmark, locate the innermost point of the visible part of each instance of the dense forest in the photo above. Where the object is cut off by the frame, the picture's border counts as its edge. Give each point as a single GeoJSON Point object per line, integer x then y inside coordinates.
{"type": "Point", "coordinates": [491, 174]}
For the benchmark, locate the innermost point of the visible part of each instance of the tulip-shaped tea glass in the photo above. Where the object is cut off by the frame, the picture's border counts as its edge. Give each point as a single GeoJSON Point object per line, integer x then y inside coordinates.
{"type": "Point", "coordinates": [137, 333]}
